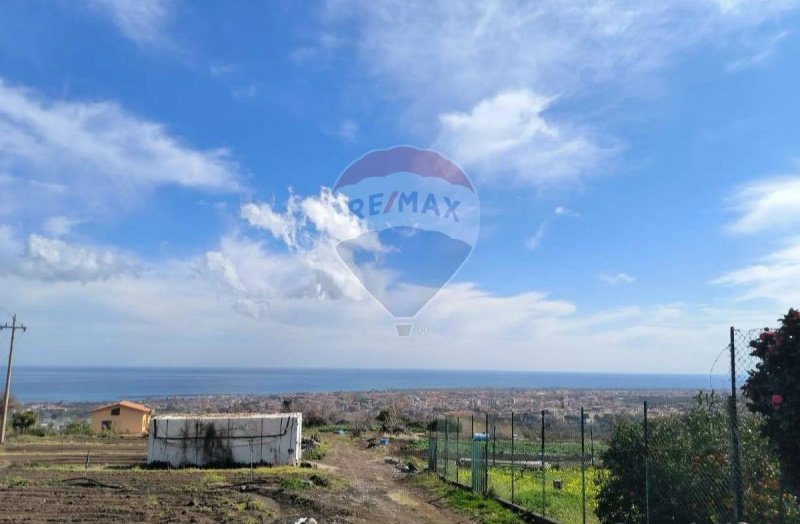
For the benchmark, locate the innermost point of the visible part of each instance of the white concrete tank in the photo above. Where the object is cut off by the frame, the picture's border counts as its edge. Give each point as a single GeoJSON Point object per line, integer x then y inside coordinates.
{"type": "Point", "coordinates": [225, 439]}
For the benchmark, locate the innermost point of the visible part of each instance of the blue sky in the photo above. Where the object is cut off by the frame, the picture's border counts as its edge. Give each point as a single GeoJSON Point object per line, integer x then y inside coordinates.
{"type": "Point", "coordinates": [164, 167]}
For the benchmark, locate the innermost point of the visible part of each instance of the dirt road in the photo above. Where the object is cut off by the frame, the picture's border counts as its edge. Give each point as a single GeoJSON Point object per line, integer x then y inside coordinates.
{"type": "Point", "coordinates": [379, 489]}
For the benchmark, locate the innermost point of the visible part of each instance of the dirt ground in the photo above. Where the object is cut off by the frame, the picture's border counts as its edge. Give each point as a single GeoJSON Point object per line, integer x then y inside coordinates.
{"type": "Point", "coordinates": [46, 480]}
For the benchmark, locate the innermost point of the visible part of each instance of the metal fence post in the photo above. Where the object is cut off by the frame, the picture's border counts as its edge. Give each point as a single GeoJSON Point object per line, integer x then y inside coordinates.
{"type": "Point", "coordinates": [494, 441]}
{"type": "Point", "coordinates": [736, 471]}
{"type": "Point", "coordinates": [486, 451]}
{"type": "Point", "coordinates": [646, 467]}
{"type": "Point", "coordinates": [542, 465]}
{"type": "Point", "coordinates": [513, 471]}
{"type": "Point", "coordinates": [446, 443]}
{"type": "Point", "coordinates": [458, 450]}
{"type": "Point", "coordinates": [583, 470]}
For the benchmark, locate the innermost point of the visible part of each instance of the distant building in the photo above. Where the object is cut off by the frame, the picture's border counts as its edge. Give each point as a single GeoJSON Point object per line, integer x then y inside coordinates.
{"type": "Point", "coordinates": [121, 417]}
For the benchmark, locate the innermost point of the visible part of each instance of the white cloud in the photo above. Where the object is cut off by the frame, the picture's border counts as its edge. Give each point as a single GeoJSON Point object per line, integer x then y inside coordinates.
{"type": "Point", "coordinates": [95, 154]}
{"type": "Point", "coordinates": [53, 259]}
{"type": "Point", "coordinates": [143, 321]}
{"type": "Point", "coordinates": [58, 226]}
{"type": "Point", "coordinates": [348, 130]}
{"type": "Point", "coordinates": [563, 211]}
{"type": "Point", "coordinates": [280, 225]}
{"type": "Point", "coordinates": [10, 246]}
{"type": "Point", "coordinates": [489, 71]}
{"type": "Point", "coordinates": [535, 241]}
{"type": "Point", "coordinates": [468, 51]}
{"type": "Point", "coordinates": [613, 279]}
{"type": "Point", "coordinates": [326, 43]}
{"type": "Point", "coordinates": [142, 21]}
{"type": "Point", "coordinates": [768, 208]}
{"type": "Point", "coordinates": [769, 204]}
{"type": "Point", "coordinates": [305, 264]}
{"type": "Point", "coordinates": [774, 277]}
{"type": "Point", "coordinates": [507, 135]}
{"type": "Point", "coordinates": [762, 50]}
{"type": "Point", "coordinates": [245, 91]}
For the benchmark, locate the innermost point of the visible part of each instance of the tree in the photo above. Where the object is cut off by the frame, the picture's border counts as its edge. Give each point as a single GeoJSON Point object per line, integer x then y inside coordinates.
{"type": "Point", "coordinates": [689, 469]}
{"type": "Point", "coordinates": [621, 497]}
{"type": "Point", "coordinates": [22, 421]}
{"type": "Point", "coordinates": [772, 390]}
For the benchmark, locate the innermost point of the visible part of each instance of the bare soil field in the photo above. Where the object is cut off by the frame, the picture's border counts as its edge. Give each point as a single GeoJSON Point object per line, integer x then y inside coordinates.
{"type": "Point", "coordinates": [45, 480]}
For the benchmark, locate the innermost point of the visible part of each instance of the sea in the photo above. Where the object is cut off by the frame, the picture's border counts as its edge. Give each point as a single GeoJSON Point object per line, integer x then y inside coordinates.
{"type": "Point", "coordinates": [90, 384]}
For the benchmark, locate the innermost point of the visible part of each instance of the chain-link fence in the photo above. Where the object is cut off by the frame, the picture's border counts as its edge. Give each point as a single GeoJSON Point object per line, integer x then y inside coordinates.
{"type": "Point", "coordinates": [700, 460]}
{"type": "Point", "coordinates": [759, 492]}
{"type": "Point", "coordinates": [543, 462]}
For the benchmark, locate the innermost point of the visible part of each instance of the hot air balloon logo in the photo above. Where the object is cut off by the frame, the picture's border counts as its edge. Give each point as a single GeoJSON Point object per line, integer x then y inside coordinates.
{"type": "Point", "coordinates": [419, 218]}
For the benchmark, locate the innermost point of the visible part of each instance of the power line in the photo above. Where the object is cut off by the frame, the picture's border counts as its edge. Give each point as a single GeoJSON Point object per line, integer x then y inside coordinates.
{"type": "Point", "coordinates": [13, 327]}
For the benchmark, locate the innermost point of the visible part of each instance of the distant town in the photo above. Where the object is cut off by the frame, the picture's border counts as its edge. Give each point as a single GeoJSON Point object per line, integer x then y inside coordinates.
{"type": "Point", "coordinates": [419, 406]}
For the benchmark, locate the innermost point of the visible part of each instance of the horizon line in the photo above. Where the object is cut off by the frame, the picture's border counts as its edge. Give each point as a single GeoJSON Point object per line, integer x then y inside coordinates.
{"type": "Point", "coordinates": [333, 368]}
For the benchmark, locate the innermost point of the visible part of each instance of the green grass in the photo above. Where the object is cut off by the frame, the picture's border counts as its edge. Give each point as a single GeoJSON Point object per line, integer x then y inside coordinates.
{"type": "Point", "coordinates": [416, 445]}
{"type": "Point", "coordinates": [214, 477]}
{"type": "Point", "coordinates": [318, 452]}
{"type": "Point", "coordinates": [483, 509]}
{"type": "Point", "coordinates": [563, 504]}
{"type": "Point", "coordinates": [294, 483]}
{"type": "Point", "coordinates": [13, 481]}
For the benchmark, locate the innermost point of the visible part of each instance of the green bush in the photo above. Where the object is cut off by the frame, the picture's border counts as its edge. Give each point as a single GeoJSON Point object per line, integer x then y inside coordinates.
{"type": "Point", "coordinates": [689, 470]}
{"type": "Point", "coordinates": [23, 421]}
{"type": "Point", "coordinates": [773, 391]}
{"type": "Point", "coordinates": [77, 427]}
{"type": "Point", "coordinates": [318, 452]}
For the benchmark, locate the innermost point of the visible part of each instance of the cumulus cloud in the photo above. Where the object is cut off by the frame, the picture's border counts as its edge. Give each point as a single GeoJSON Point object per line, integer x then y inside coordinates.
{"type": "Point", "coordinates": [303, 264]}
{"type": "Point", "coordinates": [508, 135]}
{"type": "Point", "coordinates": [53, 259]}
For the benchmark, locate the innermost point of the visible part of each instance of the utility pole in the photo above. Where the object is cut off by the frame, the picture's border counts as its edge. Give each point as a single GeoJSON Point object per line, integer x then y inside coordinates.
{"type": "Point", "coordinates": [13, 327]}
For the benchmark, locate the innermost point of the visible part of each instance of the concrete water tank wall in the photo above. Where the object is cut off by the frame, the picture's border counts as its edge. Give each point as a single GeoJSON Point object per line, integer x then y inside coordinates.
{"type": "Point", "coordinates": [225, 439]}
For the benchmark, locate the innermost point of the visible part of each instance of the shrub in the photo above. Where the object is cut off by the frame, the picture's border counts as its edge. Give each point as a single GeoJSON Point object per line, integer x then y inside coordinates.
{"type": "Point", "coordinates": [22, 421]}
{"type": "Point", "coordinates": [77, 427]}
{"type": "Point", "coordinates": [689, 469]}
{"type": "Point", "coordinates": [772, 390]}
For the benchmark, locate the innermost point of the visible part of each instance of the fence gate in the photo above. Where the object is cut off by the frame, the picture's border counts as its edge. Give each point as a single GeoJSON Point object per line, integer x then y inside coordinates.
{"type": "Point", "coordinates": [478, 463]}
{"type": "Point", "coordinates": [432, 458]}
